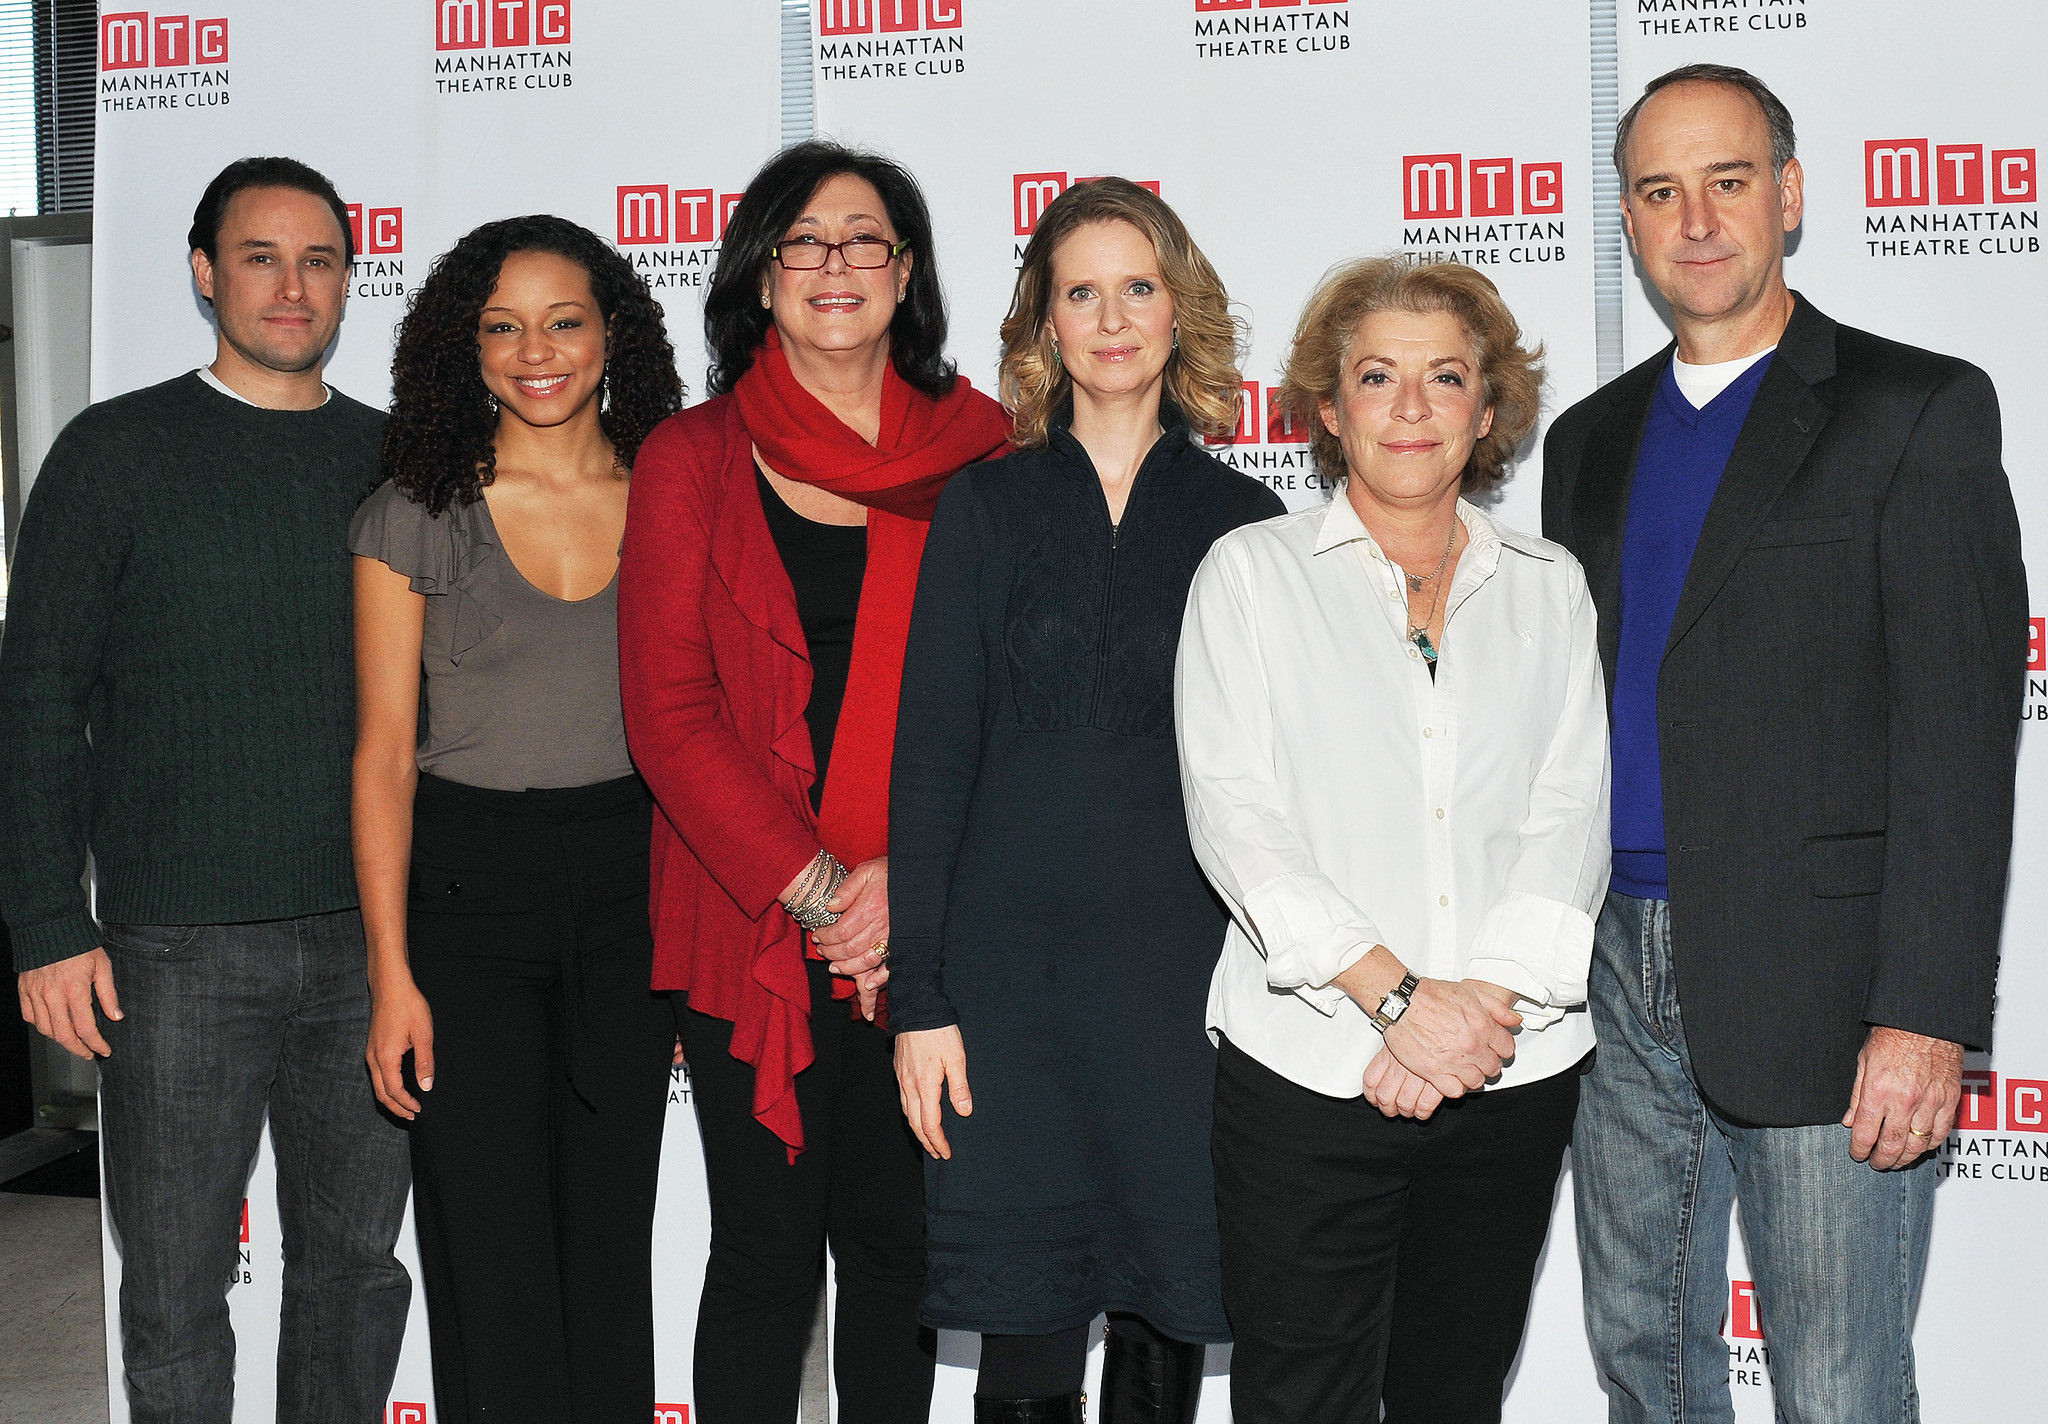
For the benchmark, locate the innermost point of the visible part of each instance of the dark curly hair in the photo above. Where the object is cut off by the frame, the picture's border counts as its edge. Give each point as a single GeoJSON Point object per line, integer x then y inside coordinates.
{"type": "Point", "coordinates": [439, 442]}
{"type": "Point", "coordinates": [735, 322]}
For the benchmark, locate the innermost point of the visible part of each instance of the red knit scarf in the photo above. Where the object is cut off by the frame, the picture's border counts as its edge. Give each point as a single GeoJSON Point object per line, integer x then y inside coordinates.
{"type": "Point", "coordinates": [922, 443]}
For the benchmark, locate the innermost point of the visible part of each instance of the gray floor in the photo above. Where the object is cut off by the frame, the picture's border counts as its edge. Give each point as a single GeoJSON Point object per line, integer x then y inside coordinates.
{"type": "Point", "coordinates": [53, 1346]}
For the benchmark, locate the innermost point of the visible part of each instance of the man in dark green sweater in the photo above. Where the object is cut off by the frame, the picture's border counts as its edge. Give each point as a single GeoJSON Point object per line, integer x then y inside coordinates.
{"type": "Point", "coordinates": [177, 700]}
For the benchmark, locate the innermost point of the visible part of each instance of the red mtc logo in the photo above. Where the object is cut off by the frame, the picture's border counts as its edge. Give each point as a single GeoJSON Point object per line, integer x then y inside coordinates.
{"type": "Point", "coordinates": [671, 1414]}
{"type": "Point", "coordinates": [1978, 1109]}
{"type": "Point", "coordinates": [378, 232]}
{"type": "Point", "coordinates": [2025, 1101]}
{"type": "Point", "coordinates": [889, 17]}
{"type": "Point", "coordinates": [1897, 173]}
{"type": "Point", "coordinates": [131, 39]}
{"type": "Point", "coordinates": [1438, 185]}
{"type": "Point", "coordinates": [402, 1413]}
{"type": "Point", "coordinates": [245, 1221]}
{"type": "Point", "coordinates": [1743, 1321]}
{"type": "Point", "coordinates": [1032, 194]}
{"type": "Point", "coordinates": [1280, 427]}
{"type": "Point", "coordinates": [2037, 645]}
{"type": "Point", "coordinates": [502, 24]}
{"type": "Point", "coordinates": [648, 215]}
{"type": "Point", "coordinates": [2026, 1105]}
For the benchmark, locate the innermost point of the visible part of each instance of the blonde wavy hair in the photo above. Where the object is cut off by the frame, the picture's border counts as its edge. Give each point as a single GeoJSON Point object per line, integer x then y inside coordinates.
{"type": "Point", "coordinates": [1510, 374]}
{"type": "Point", "coordinates": [1201, 376]}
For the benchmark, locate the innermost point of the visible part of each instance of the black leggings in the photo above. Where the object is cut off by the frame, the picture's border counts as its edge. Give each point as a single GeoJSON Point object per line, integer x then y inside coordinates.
{"type": "Point", "coordinates": [858, 1184]}
{"type": "Point", "coordinates": [1045, 1366]}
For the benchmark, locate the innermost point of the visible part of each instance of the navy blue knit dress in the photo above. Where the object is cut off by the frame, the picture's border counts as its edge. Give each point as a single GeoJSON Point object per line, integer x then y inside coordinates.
{"type": "Point", "coordinates": [1043, 895]}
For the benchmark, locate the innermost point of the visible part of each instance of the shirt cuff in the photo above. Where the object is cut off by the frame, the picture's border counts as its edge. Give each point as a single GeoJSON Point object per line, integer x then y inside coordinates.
{"type": "Point", "coordinates": [1326, 999]}
{"type": "Point", "coordinates": [1311, 933]}
{"type": "Point", "coordinates": [65, 937]}
{"type": "Point", "coordinates": [1538, 947]}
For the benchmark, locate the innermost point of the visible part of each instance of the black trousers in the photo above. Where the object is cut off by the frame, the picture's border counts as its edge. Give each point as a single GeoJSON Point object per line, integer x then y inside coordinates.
{"type": "Point", "coordinates": [858, 1184]}
{"type": "Point", "coordinates": [1369, 1260]}
{"type": "Point", "coordinates": [534, 1158]}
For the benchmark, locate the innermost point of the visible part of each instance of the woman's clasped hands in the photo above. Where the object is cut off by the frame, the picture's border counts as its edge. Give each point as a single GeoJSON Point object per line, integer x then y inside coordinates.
{"type": "Point", "coordinates": [1453, 1038]}
{"type": "Point", "coordinates": [856, 945]}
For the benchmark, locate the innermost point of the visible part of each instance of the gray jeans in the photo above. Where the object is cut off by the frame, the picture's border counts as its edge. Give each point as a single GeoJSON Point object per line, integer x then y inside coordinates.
{"type": "Point", "coordinates": [225, 1023]}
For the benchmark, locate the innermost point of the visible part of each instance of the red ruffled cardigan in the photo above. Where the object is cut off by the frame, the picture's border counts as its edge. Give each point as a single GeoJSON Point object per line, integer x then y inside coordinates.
{"type": "Point", "coordinates": [715, 677]}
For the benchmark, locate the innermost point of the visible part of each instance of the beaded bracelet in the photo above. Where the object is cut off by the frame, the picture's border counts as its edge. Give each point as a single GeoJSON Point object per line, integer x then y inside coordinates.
{"type": "Point", "coordinates": [819, 883]}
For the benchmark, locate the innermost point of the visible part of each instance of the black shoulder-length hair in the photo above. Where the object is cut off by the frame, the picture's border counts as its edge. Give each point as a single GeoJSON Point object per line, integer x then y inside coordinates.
{"type": "Point", "coordinates": [735, 322]}
{"type": "Point", "coordinates": [439, 445]}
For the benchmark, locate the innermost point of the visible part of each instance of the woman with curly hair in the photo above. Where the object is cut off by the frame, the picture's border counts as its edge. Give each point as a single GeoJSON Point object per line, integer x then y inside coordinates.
{"type": "Point", "coordinates": [1051, 925]}
{"type": "Point", "coordinates": [771, 555]}
{"type": "Point", "coordinates": [501, 839]}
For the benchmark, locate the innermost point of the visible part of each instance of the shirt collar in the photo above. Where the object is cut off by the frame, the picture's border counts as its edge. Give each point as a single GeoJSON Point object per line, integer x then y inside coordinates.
{"type": "Point", "coordinates": [1341, 524]}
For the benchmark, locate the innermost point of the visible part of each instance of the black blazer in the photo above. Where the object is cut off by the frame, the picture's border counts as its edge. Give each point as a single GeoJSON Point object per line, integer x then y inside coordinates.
{"type": "Point", "coordinates": [1838, 707]}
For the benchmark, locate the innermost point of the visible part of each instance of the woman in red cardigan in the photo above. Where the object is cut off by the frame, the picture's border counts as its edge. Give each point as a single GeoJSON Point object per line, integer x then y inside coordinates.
{"type": "Point", "coordinates": [771, 554]}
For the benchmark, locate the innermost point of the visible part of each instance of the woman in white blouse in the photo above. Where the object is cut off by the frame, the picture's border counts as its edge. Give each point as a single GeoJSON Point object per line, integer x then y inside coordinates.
{"type": "Point", "coordinates": [1393, 736]}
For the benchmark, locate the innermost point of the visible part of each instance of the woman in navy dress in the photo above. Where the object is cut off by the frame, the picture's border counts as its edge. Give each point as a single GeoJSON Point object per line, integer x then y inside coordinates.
{"type": "Point", "coordinates": [1052, 936]}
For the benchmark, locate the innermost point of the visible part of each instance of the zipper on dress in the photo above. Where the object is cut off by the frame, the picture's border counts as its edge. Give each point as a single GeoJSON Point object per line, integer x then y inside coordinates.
{"type": "Point", "coordinates": [1102, 644]}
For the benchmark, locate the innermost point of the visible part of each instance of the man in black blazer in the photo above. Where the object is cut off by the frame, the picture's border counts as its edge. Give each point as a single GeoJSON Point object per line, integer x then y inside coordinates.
{"type": "Point", "coordinates": [1813, 620]}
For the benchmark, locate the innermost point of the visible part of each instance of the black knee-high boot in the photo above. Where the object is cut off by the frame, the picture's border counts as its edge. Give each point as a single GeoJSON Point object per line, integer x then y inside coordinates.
{"type": "Point", "coordinates": [1147, 1378]}
{"type": "Point", "coordinates": [1055, 1409]}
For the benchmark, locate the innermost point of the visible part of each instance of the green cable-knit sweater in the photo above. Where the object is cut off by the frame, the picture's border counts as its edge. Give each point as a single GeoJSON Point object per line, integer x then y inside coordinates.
{"type": "Point", "coordinates": [177, 691]}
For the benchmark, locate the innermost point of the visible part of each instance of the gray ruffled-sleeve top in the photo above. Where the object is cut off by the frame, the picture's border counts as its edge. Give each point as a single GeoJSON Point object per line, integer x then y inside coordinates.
{"type": "Point", "coordinates": [521, 688]}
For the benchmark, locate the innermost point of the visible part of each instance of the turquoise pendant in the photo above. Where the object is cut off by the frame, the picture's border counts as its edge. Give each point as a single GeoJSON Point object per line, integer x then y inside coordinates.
{"type": "Point", "coordinates": [1420, 638]}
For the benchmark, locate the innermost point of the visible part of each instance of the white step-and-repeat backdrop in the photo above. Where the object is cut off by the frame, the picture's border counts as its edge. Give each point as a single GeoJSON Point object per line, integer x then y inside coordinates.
{"type": "Point", "coordinates": [1290, 134]}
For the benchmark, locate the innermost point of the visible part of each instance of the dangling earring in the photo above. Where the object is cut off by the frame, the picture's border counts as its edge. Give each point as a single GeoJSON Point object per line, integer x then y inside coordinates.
{"type": "Point", "coordinates": [604, 392]}
{"type": "Point", "coordinates": [1176, 338]}
{"type": "Point", "coordinates": [493, 400]}
{"type": "Point", "coordinates": [1056, 353]}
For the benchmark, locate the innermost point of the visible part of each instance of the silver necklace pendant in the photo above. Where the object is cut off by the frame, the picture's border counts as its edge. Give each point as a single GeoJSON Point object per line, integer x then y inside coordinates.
{"type": "Point", "coordinates": [1415, 582]}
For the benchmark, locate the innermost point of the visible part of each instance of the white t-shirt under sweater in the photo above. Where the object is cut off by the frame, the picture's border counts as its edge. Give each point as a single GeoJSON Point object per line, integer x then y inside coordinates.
{"type": "Point", "coordinates": [1700, 384]}
{"type": "Point", "coordinates": [205, 373]}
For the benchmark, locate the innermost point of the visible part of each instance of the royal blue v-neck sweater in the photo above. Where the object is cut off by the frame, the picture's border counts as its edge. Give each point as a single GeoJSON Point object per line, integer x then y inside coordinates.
{"type": "Point", "coordinates": [1678, 468]}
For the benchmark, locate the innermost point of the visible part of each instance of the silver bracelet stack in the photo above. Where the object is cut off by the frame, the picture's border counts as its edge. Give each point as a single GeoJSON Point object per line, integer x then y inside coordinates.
{"type": "Point", "coordinates": [820, 882]}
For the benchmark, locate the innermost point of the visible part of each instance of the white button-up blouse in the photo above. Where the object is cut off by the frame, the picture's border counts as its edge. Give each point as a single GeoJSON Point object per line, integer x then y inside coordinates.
{"type": "Point", "coordinates": [1339, 798]}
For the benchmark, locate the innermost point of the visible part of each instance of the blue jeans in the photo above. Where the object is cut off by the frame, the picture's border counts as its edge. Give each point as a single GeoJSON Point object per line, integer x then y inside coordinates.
{"type": "Point", "coordinates": [225, 1024]}
{"type": "Point", "coordinates": [1837, 1249]}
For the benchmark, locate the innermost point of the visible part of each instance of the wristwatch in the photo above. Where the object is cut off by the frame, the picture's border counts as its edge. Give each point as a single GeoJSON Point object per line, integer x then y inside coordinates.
{"type": "Point", "coordinates": [1394, 1005]}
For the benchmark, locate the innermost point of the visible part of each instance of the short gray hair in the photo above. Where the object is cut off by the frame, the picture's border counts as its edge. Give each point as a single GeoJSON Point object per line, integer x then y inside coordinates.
{"type": "Point", "coordinates": [1775, 113]}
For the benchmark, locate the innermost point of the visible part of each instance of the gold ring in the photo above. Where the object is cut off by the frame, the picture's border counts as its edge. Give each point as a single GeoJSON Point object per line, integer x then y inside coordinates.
{"type": "Point", "coordinates": [1916, 1132]}
{"type": "Point", "coordinates": [879, 949]}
